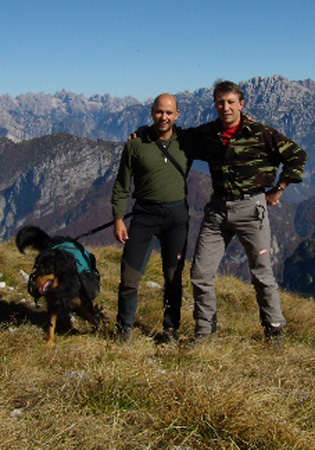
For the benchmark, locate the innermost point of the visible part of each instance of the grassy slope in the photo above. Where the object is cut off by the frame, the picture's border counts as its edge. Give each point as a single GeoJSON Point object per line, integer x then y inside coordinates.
{"type": "Point", "coordinates": [91, 393]}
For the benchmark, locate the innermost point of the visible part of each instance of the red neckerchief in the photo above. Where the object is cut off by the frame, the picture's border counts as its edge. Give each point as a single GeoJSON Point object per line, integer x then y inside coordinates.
{"type": "Point", "coordinates": [229, 133]}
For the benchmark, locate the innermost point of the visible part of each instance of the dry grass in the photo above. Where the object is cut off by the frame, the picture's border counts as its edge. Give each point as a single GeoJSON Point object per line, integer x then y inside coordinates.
{"type": "Point", "coordinates": [89, 392]}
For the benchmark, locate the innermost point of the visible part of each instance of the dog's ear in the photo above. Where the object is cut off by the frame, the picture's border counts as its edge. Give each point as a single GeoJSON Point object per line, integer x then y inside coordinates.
{"type": "Point", "coordinates": [67, 273]}
{"type": "Point", "coordinates": [65, 263]}
{"type": "Point", "coordinates": [44, 262]}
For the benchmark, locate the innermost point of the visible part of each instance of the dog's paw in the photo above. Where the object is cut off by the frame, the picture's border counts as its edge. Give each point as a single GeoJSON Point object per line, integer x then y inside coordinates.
{"type": "Point", "coordinates": [101, 321]}
{"type": "Point", "coordinates": [50, 344]}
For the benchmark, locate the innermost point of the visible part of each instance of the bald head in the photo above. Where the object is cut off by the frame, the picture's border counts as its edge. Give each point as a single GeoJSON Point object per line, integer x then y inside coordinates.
{"type": "Point", "coordinates": [165, 112]}
{"type": "Point", "coordinates": [165, 96]}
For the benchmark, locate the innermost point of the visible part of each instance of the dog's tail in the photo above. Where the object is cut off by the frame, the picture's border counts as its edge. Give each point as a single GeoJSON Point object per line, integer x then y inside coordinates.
{"type": "Point", "coordinates": [31, 236]}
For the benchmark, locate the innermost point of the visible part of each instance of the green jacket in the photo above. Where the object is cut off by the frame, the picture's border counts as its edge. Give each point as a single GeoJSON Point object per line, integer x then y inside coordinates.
{"type": "Point", "coordinates": [251, 160]}
{"type": "Point", "coordinates": [155, 178]}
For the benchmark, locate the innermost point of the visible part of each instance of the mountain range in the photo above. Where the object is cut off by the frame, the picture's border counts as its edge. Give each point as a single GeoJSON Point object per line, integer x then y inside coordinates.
{"type": "Point", "coordinates": [59, 155]}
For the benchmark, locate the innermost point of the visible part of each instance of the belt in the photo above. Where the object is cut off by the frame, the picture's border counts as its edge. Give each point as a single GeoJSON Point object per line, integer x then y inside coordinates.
{"type": "Point", "coordinates": [166, 204]}
{"type": "Point", "coordinates": [233, 198]}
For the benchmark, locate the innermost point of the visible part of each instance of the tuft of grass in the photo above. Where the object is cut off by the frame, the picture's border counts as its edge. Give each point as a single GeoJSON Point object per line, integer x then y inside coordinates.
{"type": "Point", "coordinates": [90, 392]}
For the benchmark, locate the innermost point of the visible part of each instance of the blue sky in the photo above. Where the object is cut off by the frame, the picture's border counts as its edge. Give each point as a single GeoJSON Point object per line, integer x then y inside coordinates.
{"type": "Point", "coordinates": [145, 47]}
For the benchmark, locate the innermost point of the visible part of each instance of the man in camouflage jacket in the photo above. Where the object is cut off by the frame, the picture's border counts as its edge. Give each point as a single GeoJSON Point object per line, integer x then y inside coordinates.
{"type": "Point", "coordinates": [244, 157]}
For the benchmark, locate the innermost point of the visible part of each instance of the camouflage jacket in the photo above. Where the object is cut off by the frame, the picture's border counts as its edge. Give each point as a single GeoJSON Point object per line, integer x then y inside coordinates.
{"type": "Point", "coordinates": [250, 162]}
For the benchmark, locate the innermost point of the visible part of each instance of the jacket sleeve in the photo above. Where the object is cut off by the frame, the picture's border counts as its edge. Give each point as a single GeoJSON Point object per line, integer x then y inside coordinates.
{"type": "Point", "coordinates": [289, 154]}
{"type": "Point", "coordinates": [122, 185]}
{"type": "Point", "coordinates": [196, 140]}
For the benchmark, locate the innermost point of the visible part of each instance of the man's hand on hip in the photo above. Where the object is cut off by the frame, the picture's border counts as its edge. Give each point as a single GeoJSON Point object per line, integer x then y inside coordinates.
{"type": "Point", "coordinates": [273, 196]}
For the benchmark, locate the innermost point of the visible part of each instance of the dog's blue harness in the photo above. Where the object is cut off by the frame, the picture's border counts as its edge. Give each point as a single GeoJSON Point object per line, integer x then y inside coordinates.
{"type": "Point", "coordinates": [85, 260]}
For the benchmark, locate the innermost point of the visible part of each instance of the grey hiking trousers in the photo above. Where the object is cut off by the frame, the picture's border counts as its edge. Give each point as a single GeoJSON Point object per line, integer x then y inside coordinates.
{"type": "Point", "coordinates": [248, 219]}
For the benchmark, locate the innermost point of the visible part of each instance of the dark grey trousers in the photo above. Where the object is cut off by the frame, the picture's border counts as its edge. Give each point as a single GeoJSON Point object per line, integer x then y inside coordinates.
{"type": "Point", "coordinates": [167, 222]}
{"type": "Point", "coordinates": [248, 219]}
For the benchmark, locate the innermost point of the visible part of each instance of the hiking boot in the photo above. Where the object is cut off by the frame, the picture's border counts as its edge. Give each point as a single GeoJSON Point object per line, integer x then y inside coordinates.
{"type": "Point", "coordinates": [169, 336]}
{"type": "Point", "coordinates": [204, 338]}
{"type": "Point", "coordinates": [274, 336]}
{"type": "Point", "coordinates": [124, 334]}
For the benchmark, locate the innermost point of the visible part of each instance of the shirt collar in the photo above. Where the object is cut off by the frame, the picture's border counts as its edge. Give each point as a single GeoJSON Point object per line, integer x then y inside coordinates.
{"type": "Point", "coordinates": [151, 135]}
{"type": "Point", "coordinates": [245, 124]}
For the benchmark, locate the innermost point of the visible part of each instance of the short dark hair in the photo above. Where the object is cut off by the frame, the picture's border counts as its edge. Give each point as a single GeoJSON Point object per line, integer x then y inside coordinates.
{"type": "Point", "coordinates": [225, 87]}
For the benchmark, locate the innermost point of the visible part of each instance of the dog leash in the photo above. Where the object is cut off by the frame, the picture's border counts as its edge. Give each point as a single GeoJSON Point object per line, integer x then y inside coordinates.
{"type": "Point", "coordinates": [165, 151]}
{"type": "Point", "coordinates": [101, 227]}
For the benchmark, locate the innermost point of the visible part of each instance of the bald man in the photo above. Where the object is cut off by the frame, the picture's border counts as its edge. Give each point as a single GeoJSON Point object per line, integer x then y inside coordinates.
{"type": "Point", "coordinates": [160, 212]}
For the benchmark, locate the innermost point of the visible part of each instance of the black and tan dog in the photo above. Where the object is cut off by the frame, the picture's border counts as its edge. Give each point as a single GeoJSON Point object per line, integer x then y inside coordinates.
{"type": "Point", "coordinates": [65, 274]}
